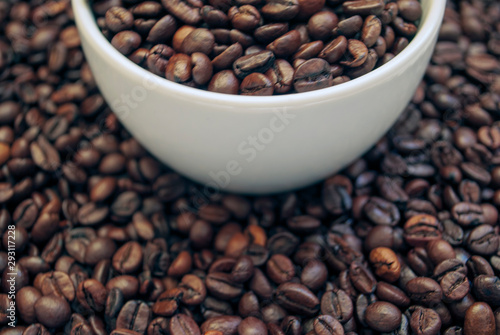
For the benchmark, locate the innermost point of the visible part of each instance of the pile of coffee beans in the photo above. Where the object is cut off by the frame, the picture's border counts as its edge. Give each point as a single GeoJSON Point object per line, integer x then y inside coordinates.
{"type": "Point", "coordinates": [256, 47]}
{"type": "Point", "coordinates": [109, 241]}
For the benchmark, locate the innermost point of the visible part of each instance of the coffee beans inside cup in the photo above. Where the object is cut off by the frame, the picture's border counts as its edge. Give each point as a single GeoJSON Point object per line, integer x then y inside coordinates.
{"type": "Point", "coordinates": [255, 47]}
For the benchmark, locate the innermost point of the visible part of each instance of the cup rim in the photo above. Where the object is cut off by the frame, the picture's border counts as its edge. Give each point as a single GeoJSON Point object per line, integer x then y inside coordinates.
{"type": "Point", "coordinates": [87, 26]}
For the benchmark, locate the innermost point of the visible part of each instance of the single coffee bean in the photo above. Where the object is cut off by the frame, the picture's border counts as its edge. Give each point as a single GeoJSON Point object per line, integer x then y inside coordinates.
{"type": "Point", "coordinates": [337, 304]}
{"type": "Point", "coordinates": [455, 286]}
{"type": "Point", "coordinates": [92, 295]}
{"type": "Point", "coordinates": [383, 316]}
{"type": "Point", "coordinates": [311, 75]}
{"type": "Point", "coordinates": [425, 321]}
{"type": "Point", "coordinates": [297, 298]}
{"type": "Point", "coordinates": [134, 315]}
{"type": "Point", "coordinates": [256, 84]}
{"type": "Point", "coordinates": [52, 311]}
{"type": "Point", "coordinates": [327, 325]}
{"type": "Point", "coordinates": [226, 324]}
{"type": "Point", "coordinates": [183, 324]}
{"type": "Point", "coordinates": [392, 294]}
{"type": "Point", "coordinates": [479, 319]}
{"type": "Point", "coordinates": [424, 290]}
{"type": "Point", "coordinates": [386, 263]}
{"type": "Point", "coordinates": [128, 258]}
{"type": "Point", "coordinates": [126, 41]}
{"type": "Point", "coordinates": [258, 62]}
{"type": "Point", "coordinates": [280, 269]}
{"type": "Point", "coordinates": [421, 229]}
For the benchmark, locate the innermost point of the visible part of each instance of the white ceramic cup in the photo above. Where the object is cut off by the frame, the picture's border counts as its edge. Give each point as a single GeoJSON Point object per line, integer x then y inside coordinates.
{"type": "Point", "coordinates": [257, 145]}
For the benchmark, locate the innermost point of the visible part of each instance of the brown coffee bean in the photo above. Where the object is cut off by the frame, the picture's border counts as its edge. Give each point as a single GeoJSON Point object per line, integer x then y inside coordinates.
{"type": "Point", "coordinates": [199, 40]}
{"type": "Point", "coordinates": [119, 19]}
{"type": "Point", "coordinates": [286, 44]}
{"type": "Point", "coordinates": [337, 304]}
{"type": "Point", "coordinates": [386, 264]}
{"type": "Point", "coordinates": [52, 311]}
{"type": "Point", "coordinates": [421, 229]}
{"type": "Point", "coordinates": [383, 316]}
{"type": "Point", "coordinates": [280, 269]}
{"type": "Point", "coordinates": [479, 319]}
{"type": "Point", "coordinates": [424, 290]}
{"type": "Point", "coordinates": [363, 7]}
{"type": "Point", "coordinates": [297, 298]}
{"type": "Point", "coordinates": [281, 10]}
{"type": "Point", "coordinates": [224, 81]}
{"type": "Point", "coordinates": [425, 321]}
{"type": "Point", "coordinates": [188, 12]}
{"type": "Point", "coordinates": [256, 84]}
{"type": "Point", "coordinates": [128, 258]}
{"type": "Point", "coordinates": [26, 299]}
{"type": "Point", "coordinates": [126, 41]}
{"type": "Point", "coordinates": [313, 74]}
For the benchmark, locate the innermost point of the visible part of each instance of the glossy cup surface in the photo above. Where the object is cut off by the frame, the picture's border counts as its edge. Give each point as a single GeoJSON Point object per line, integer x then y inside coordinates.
{"type": "Point", "coordinates": [257, 145]}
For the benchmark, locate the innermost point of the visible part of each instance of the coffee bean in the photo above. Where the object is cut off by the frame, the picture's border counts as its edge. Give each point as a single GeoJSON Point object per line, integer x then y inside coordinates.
{"type": "Point", "coordinates": [483, 240]}
{"type": "Point", "coordinates": [311, 75]}
{"type": "Point", "coordinates": [386, 263]}
{"type": "Point", "coordinates": [383, 316]}
{"type": "Point", "coordinates": [26, 299]}
{"type": "Point", "coordinates": [487, 288]}
{"type": "Point", "coordinates": [92, 295]}
{"type": "Point", "coordinates": [221, 286]}
{"type": "Point", "coordinates": [188, 12]}
{"type": "Point", "coordinates": [424, 290]}
{"type": "Point", "coordinates": [183, 324]}
{"type": "Point", "coordinates": [455, 286]}
{"type": "Point", "coordinates": [52, 311]}
{"type": "Point", "coordinates": [479, 319]}
{"type": "Point", "coordinates": [134, 315]}
{"type": "Point", "coordinates": [128, 258]}
{"type": "Point", "coordinates": [337, 304]}
{"type": "Point", "coordinates": [421, 229]}
{"type": "Point", "coordinates": [58, 283]}
{"type": "Point", "coordinates": [297, 298]}
{"type": "Point", "coordinates": [225, 324]}
{"type": "Point", "coordinates": [280, 269]}
{"type": "Point", "coordinates": [425, 321]}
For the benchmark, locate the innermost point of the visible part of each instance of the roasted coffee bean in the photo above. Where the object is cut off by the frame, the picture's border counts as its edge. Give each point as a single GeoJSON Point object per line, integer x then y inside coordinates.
{"type": "Point", "coordinates": [455, 286]}
{"type": "Point", "coordinates": [479, 319]}
{"type": "Point", "coordinates": [386, 264]}
{"type": "Point", "coordinates": [297, 298]}
{"type": "Point", "coordinates": [221, 286]}
{"type": "Point", "coordinates": [392, 294]}
{"type": "Point", "coordinates": [92, 295]}
{"type": "Point", "coordinates": [421, 229]}
{"type": "Point", "coordinates": [311, 75]}
{"type": "Point", "coordinates": [194, 291]}
{"type": "Point", "coordinates": [484, 240]}
{"type": "Point", "coordinates": [425, 321]}
{"type": "Point", "coordinates": [258, 62]}
{"type": "Point", "coordinates": [362, 278]}
{"type": "Point", "coordinates": [128, 258]}
{"type": "Point", "coordinates": [58, 283]}
{"type": "Point", "coordinates": [256, 84]}
{"type": "Point", "coordinates": [134, 315]}
{"type": "Point", "coordinates": [337, 304]}
{"type": "Point", "coordinates": [487, 288]}
{"type": "Point", "coordinates": [383, 316]}
{"type": "Point", "coordinates": [424, 290]}
{"type": "Point", "coordinates": [280, 269]}
{"type": "Point", "coordinates": [26, 299]}
{"type": "Point", "coordinates": [52, 311]}
{"type": "Point", "coordinates": [126, 41]}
